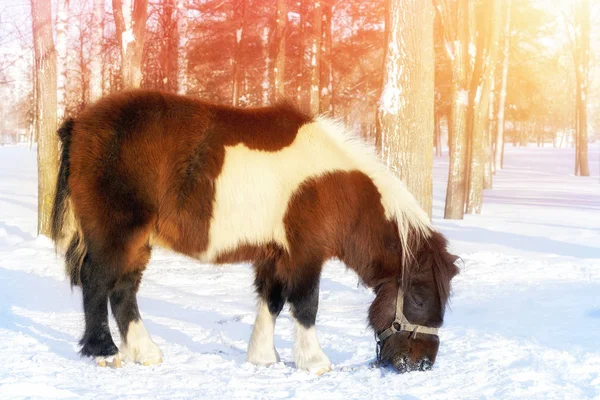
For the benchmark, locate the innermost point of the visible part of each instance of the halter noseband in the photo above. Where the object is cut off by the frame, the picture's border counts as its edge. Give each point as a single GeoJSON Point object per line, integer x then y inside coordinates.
{"type": "Point", "coordinates": [401, 324]}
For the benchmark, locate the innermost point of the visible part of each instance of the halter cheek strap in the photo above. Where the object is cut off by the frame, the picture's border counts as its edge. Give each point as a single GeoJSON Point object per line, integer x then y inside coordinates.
{"type": "Point", "coordinates": [401, 323]}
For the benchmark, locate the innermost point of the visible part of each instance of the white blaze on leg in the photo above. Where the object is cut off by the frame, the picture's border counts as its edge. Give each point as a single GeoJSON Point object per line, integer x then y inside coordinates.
{"type": "Point", "coordinates": [261, 350]}
{"type": "Point", "coordinates": [308, 354]}
{"type": "Point", "coordinates": [138, 346]}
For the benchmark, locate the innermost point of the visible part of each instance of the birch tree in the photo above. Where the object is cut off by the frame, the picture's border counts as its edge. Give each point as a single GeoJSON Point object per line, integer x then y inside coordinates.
{"type": "Point", "coordinates": [315, 57]}
{"type": "Point", "coordinates": [488, 30]}
{"type": "Point", "coordinates": [279, 45]}
{"type": "Point", "coordinates": [406, 108]}
{"type": "Point", "coordinates": [46, 107]}
{"type": "Point", "coordinates": [326, 79]}
{"type": "Point", "coordinates": [499, 142]}
{"type": "Point", "coordinates": [581, 56]}
{"type": "Point", "coordinates": [130, 20]}
{"type": "Point", "coordinates": [239, 16]}
{"type": "Point", "coordinates": [455, 21]}
{"type": "Point", "coordinates": [301, 55]}
{"type": "Point", "coordinates": [97, 39]}
{"type": "Point", "coordinates": [62, 37]}
{"type": "Point", "coordinates": [182, 45]}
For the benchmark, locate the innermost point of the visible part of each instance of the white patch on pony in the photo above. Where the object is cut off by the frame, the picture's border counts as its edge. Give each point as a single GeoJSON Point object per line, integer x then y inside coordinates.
{"type": "Point", "coordinates": [308, 354]}
{"type": "Point", "coordinates": [261, 349]}
{"type": "Point", "coordinates": [254, 187]}
{"type": "Point", "coordinates": [138, 346]}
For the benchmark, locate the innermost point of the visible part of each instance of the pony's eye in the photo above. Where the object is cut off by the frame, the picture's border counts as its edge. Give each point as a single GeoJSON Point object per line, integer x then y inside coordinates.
{"type": "Point", "coordinates": [418, 300]}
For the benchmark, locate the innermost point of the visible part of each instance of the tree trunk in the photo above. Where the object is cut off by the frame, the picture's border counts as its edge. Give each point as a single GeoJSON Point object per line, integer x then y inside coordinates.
{"type": "Point", "coordinates": [326, 69]}
{"type": "Point", "coordinates": [437, 135]}
{"type": "Point", "coordinates": [169, 47]}
{"type": "Point", "coordinates": [239, 15]}
{"type": "Point", "coordinates": [406, 107]}
{"type": "Point", "coordinates": [182, 62]}
{"type": "Point", "coordinates": [301, 55]}
{"type": "Point", "coordinates": [488, 152]}
{"type": "Point", "coordinates": [487, 46]}
{"type": "Point", "coordinates": [582, 79]}
{"type": "Point", "coordinates": [131, 32]}
{"type": "Point", "coordinates": [62, 39]}
{"type": "Point", "coordinates": [499, 148]}
{"type": "Point", "coordinates": [315, 58]}
{"type": "Point", "coordinates": [279, 64]}
{"type": "Point", "coordinates": [45, 69]}
{"type": "Point", "coordinates": [457, 123]}
{"type": "Point", "coordinates": [97, 40]}
{"type": "Point", "coordinates": [266, 82]}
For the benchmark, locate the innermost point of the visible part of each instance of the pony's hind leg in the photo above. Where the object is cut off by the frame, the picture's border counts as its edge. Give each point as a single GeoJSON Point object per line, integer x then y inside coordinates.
{"type": "Point", "coordinates": [261, 349]}
{"type": "Point", "coordinates": [97, 342]}
{"type": "Point", "coordinates": [136, 344]}
{"type": "Point", "coordinates": [307, 352]}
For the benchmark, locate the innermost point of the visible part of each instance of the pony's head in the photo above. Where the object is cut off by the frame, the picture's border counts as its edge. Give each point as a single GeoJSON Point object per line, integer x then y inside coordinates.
{"type": "Point", "coordinates": [409, 308]}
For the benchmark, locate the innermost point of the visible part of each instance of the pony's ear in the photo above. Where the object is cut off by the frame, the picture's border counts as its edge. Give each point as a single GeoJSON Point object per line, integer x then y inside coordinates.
{"type": "Point", "coordinates": [454, 270]}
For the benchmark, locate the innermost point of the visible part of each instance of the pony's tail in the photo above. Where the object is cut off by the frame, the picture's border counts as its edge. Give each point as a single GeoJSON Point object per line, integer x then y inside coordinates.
{"type": "Point", "coordinates": [66, 230]}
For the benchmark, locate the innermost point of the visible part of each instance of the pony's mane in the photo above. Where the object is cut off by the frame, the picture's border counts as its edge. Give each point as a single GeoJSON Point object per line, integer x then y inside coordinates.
{"type": "Point", "coordinates": [399, 204]}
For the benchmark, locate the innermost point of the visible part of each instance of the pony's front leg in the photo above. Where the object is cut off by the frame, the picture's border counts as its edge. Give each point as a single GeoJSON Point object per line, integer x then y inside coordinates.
{"type": "Point", "coordinates": [308, 354]}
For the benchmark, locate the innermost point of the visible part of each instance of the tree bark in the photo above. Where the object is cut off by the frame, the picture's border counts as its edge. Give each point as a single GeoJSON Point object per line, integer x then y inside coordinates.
{"type": "Point", "coordinates": [97, 39]}
{"type": "Point", "coordinates": [182, 44]}
{"type": "Point", "coordinates": [62, 39]}
{"type": "Point", "coordinates": [456, 25]}
{"type": "Point", "coordinates": [326, 80]}
{"type": "Point", "coordinates": [405, 113]}
{"type": "Point", "coordinates": [131, 32]}
{"type": "Point", "coordinates": [301, 56]}
{"type": "Point", "coordinates": [239, 15]}
{"type": "Point", "coordinates": [499, 147]}
{"type": "Point", "coordinates": [582, 51]}
{"type": "Point", "coordinates": [487, 45]}
{"type": "Point", "coordinates": [315, 57]}
{"type": "Point", "coordinates": [45, 69]}
{"type": "Point", "coordinates": [279, 64]}
{"type": "Point", "coordinates": [169, 47]}
{"type": "Point", "coordinates": [267, 90]}
{"type": "Point", "coordinates": [488, 150]}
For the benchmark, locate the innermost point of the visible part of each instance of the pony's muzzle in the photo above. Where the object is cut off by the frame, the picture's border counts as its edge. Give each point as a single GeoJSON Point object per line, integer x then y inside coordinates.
{"type": "Point", "coordinates": [403, 353]}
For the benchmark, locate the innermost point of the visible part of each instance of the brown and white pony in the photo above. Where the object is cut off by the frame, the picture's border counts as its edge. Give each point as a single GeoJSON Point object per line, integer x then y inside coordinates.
{"type": "Point", "coordinates": [270, 185]}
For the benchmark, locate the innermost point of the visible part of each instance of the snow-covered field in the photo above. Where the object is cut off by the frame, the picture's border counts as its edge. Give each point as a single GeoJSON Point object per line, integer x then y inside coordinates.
{"type": "Point", "coordinates": [524, 320]}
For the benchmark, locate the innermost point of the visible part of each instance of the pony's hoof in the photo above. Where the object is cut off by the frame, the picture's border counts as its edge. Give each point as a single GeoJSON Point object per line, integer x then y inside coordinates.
{"type": "Point", "coordinates": [110, 361]}
{"type": "Point", "coordinates": [265, 359]}
{"type": "Point", "coordinates": [320, 371]}
{"type": "Point", "coordinates": [148, 363]}
{"type": "Point", "coordinates": [318, 365]}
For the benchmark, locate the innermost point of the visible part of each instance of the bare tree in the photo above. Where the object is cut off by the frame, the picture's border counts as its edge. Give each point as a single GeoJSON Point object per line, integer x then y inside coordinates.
{"type": "Point", "coordinates": [326, 80]}
{"type": "Point", "coordinates": [301, 52]}
{"type": "Point", "coordinates": [455, 21]}
{"type": "Point", "coordinates": [581, 54]}
{"type": "Point", "coordinates": [315, 57]}
{"type": "Point", "coordinates": [62, 39]}
{"type": "Point", "coordinates": [130, 20]}
{"type": "Point", "coordinates": [239, 16]}
{"type": "Point", "coordinates": [182, 58]}
{"type": "Point", "coordinates": [405, 113]}
{"type": "Point", "coordinates": [97, 39]}
{"type": "Point", "coordinates": [487, 32]}
{"type": "Point", "coordinates": [46, 106]}
{"type": "Point", "coordinates": [279, 45]}
{"type": "Point", "coordinates": [499, 146]}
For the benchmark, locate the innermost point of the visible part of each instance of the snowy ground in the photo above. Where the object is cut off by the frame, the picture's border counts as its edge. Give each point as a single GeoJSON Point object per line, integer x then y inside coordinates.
{"type": "Point", "coordinates": [524, 320]}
